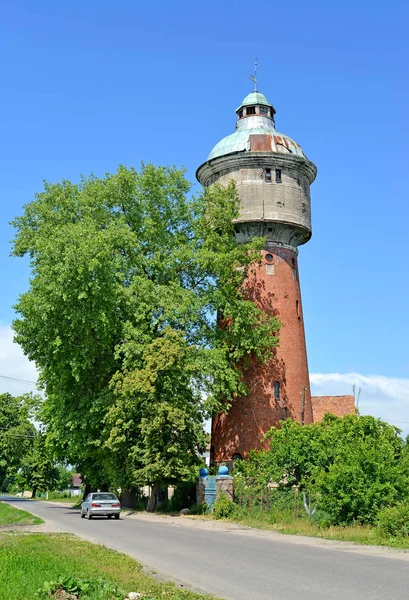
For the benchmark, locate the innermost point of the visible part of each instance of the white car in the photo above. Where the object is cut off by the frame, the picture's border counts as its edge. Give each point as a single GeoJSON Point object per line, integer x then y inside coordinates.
{"type": "Point", "coordinates": [100, 504]}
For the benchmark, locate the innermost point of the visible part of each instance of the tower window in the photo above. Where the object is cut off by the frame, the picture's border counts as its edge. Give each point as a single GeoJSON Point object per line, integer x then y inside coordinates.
{"type": "Point", "coordinates": [240, 113]}
{"type": "Point", "coordinates": [278, 175]}
{"type": "Point", "coordinates": [276, 390]}
{"type": "Point", "coordinates": [293, 261]}
{"type": "Point", "coordinates": [294, 273]}
{"type": "Point", "coordinates": [297, 308]}
{"type": "Point", "coordinates": [263, 110]}
{"type": "Point", "coordinates": [267, 175]}
{"type": "Point", "coordinates": [251, 110]}
{"type": "Point", "coordinates": [269, 257]}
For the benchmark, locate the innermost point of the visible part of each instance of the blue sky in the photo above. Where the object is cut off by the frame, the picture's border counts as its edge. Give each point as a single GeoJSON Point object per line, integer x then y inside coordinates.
{"type": "Point", "coordinates": [89, 85]}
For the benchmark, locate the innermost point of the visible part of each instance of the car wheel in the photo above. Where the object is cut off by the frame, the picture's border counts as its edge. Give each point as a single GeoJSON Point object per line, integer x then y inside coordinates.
{"type": "Point", "coordinates": [89, 516]}
{"type": "Point", "coordinates": [82, 515]}
{"type": "Point", "coordinates": [116, 517]}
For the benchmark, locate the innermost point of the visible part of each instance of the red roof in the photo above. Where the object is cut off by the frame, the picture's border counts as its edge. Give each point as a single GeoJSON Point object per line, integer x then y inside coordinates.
{"type": "Point", "coordinates": [76, 480]}
{"type": "Point", "coordinates": [336, 405]}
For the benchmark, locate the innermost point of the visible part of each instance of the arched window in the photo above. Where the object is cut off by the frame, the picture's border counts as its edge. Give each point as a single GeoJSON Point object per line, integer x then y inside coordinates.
{"type": "Point", "coordinates": [276, 390]}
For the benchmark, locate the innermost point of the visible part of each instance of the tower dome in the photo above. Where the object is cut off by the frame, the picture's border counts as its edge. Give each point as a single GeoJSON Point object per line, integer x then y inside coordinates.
{"type": "Point", "coordinates": [256, 117]}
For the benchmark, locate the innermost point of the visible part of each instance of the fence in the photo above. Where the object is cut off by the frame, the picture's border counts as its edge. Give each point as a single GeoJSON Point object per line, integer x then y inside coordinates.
{"type": "Point", "coordinates": [253, 498]}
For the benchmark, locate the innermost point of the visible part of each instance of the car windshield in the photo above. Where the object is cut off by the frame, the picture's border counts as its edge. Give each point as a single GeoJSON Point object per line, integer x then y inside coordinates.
{"type": "Point", "coordinates": [104, 497]}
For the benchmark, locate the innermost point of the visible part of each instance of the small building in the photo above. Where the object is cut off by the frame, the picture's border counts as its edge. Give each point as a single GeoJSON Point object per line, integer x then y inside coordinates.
{"type": "Point", "coordinates": [75, 487]}
{"type": "Point", "coordinates": [336, 405]}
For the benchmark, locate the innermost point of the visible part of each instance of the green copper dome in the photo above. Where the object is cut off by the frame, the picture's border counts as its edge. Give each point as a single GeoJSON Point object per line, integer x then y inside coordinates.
{"type": "Point", "coordinates": [255, 131]}
{"type": "Point", "coordinates": [254, 98]}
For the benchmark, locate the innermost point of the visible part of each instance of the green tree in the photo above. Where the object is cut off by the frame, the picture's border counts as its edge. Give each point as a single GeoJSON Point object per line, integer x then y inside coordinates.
{"type": "Point", "coordinates": [16, 433]}
{"type": "Point", "coordinates": [128, 273]}
{"type": "Point", "coordinates": [353, 466]}
{"type": "Point", "coordinates": [38, 470]}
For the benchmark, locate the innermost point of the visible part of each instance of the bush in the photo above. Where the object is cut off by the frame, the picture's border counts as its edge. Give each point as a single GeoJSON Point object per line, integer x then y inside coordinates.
{"type": "Point", "coordinates": [322, 519]}
{"type": "Point", "coordinates": [198, 509]}
{"type": "Point", "coordinates": [85, 589]}
{"type": "Point", "coordinates": [224, 507]}
{"type": "Point", "coordinates": [354, 466]}
{"type": "Point", "coordinates": [184, 496]}
{"type": "Point", "coordinates": [394, 521]}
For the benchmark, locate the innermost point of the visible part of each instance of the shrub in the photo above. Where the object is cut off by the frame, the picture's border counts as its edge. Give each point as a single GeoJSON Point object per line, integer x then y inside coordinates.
{"type": "Point", "coordinates": [224, 507]}
{"type": "Point", "coordinates": [354, 466]}
{"type": "Point", "coordinates": [394, 521]}
{"type": "Point", "coordinates": [184, 495]}
{"type": "Point", "coordinates": [322, 519]}
{"type": "Point", "coordinates": [198, 509]}
{"type": "Point", "coordinates": [95, 588]}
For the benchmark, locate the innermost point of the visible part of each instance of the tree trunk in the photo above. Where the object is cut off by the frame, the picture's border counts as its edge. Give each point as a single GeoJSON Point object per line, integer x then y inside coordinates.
{"type": "Point", "coordinates": [87, 490]}
{"type": "Point", "coordinates": [154, 497]}
{"type": "Point", "coordinates": [34, 492]}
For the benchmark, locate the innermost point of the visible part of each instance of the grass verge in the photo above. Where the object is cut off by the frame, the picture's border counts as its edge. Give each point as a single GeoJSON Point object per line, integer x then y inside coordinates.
{"type": "Point", "coordinates": [359, 534]}
{"type": "Point", "coordinates": [70, 500]}
{"type": "Point", "coordinates": [28, 560]}
{"type": "Point", "coordinates": [15, 516]}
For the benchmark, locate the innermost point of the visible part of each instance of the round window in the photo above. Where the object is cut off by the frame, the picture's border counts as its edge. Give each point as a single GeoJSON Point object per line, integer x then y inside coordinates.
{"type": "Point", "coordinates": [269, 257]}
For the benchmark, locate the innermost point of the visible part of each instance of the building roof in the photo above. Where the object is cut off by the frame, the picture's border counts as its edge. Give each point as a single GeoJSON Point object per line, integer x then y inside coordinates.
{"type": "Point", "coordinates": [336, 405]}
{"type": "Point", "coordinates": [257, 124]}
{"type": "Point", "coordinates": [239, 141]}
{"type": "Point", "coordinates": [254, 98]}
{"type": "Point", "coordinates": [76, 480]}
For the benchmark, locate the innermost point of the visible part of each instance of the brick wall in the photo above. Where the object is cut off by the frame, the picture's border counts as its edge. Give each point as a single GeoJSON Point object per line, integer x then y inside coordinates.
{"type": "Point", "coordinates": [337, 405]}
{"type": "Point", "coordinates": [273, 286]}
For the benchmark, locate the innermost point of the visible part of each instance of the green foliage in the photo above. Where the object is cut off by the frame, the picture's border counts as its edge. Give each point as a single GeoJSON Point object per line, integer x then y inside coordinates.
{"type": "Point", "coordinates": [394, 520]}
{"type": "Point", "coordinates": [94, 588]}
{"type": "Point", "coordinates": [38, 470]}
{"type": "Point", "coordinates": [16, 434]}
{"type": "Point", "coordinates": [64, 476]}
{"type": "Point", "coordinates": [9, 515]}
{"type": "Point", "coordinates": [128, 273]}
{"type": "Point", "coordinates": [184, 496]}
{"type": "Point", "coordinates": [353, 467]}
{"type": "Point", "coordinates": [29, 560]}
{"type": "Point", "coordinates": [224, 507]}
{"type": "Point", "coordinates": [198, 509]}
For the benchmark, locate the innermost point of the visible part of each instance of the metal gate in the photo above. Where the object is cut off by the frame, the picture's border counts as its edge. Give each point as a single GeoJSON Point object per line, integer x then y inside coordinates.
{"type": "Point", "coordinates": [210, 491]}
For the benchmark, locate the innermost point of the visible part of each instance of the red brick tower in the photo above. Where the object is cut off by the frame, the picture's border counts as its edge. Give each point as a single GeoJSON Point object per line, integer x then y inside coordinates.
{"type": "Point", "coordinates": [273, 178]}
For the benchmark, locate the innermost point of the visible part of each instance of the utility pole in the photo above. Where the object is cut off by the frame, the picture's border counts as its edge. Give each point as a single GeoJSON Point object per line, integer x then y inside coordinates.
{"type": "Point", "coordinates": [303, 404]}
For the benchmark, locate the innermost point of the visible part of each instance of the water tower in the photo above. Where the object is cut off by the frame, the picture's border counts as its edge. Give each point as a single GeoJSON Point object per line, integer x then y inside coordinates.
{"type": "Point", "coordinates": [273, 178]}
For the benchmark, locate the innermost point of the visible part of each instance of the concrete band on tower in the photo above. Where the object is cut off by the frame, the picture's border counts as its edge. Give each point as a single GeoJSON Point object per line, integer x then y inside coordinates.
{"type": "Point", "coordinates": [273, 178]}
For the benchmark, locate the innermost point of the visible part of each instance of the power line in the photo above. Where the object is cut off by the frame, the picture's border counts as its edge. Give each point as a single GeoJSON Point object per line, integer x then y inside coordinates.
{"type": "Point", "coordinates": [16, 380]}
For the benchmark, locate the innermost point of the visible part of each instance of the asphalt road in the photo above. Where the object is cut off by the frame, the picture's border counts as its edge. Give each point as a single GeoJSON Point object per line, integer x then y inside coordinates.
{"type": "Point", "coordinates": [242, 564]}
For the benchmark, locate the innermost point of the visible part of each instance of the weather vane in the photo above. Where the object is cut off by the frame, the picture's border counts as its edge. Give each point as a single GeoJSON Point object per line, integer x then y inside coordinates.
{"type": "Point", "coordinates": [254, 77]}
